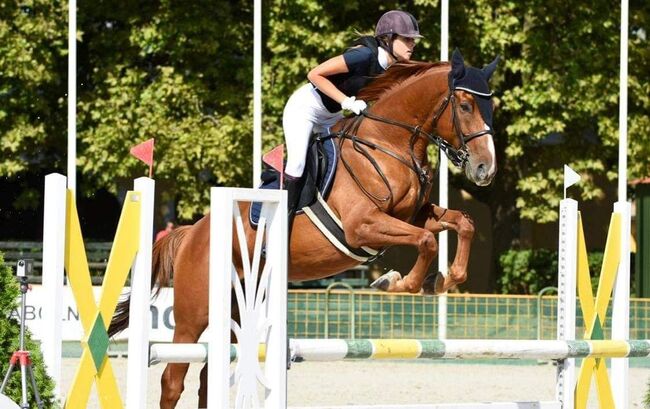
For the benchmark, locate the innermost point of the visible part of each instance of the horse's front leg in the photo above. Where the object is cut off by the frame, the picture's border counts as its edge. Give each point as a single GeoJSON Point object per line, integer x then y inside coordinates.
{"type": "Point", "coordinates": [377, 229]}
{"type": "Point", "coordinates": [436, 219]}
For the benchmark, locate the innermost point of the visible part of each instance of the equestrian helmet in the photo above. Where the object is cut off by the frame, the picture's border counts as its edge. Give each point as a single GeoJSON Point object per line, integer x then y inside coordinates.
{"type": "Point", "coordinates": [398, 22]}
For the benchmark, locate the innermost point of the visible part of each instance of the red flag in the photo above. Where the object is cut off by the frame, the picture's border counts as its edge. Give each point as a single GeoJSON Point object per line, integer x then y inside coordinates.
{"type": "Point", "coordinates": [144, 152]}
{"type": "Point", "coordinates": [275, 159]}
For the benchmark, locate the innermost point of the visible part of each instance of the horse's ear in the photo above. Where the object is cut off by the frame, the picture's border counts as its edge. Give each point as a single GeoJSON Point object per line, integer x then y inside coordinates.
{"type": "Point", "coordinates": [488, 70]}
{"type": "Point", "coordinates": [457, 64]}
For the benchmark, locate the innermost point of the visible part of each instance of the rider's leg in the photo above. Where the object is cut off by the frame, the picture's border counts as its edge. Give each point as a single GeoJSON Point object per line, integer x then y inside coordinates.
{"type": "Point", "coordinates": [297, 123]}
{"type": "Point", "coordinates": [298, 126]}
{"type": "Point", "coordinates": [294, 187]}
{"type": "Point", "coordinates": [303, 114]}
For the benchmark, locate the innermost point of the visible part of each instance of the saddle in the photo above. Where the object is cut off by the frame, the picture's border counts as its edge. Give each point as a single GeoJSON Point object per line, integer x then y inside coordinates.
{"type": "Point", "coordinates": [320, 168]}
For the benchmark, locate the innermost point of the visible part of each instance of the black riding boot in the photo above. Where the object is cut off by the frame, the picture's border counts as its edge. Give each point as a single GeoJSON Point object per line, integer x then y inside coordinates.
{"type": "Point", "coordinates": [293, 185]}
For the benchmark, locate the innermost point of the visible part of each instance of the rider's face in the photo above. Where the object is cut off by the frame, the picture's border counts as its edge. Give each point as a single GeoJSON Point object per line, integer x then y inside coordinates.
{"type": "Point", "coordinates": [403, 47]}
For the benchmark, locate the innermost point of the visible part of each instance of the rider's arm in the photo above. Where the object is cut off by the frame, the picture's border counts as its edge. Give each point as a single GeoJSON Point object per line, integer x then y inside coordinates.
{"type": "Point", "coordinates": [318, 77]}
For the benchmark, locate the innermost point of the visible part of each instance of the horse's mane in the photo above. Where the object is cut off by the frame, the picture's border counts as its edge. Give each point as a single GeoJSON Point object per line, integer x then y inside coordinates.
{"type": "Point", "coordinates": [395, 75]}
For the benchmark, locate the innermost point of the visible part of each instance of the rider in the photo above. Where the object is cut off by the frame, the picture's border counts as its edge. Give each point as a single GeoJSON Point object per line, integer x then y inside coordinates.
{"type": "Point", "coordinates": [333, 85]}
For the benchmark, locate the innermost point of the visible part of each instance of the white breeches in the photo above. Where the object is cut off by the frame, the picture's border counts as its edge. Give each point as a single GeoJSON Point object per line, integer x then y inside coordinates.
{"type": "Point", "coordinates": [304, 114]}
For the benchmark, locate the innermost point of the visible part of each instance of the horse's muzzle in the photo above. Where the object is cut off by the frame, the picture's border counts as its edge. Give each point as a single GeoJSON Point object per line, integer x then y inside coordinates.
{"type": "Point", "coordinates": [481, 174]}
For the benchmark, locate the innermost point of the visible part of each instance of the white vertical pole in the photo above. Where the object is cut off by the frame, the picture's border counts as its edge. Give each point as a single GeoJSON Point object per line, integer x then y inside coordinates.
{"type": "Point", "coordinates": [257, 92]}
{"type": "Point", "coordinates": [443, 247]}
{"type": "Point", "coordinates": [221, 220]}
{"type": "Point", "coordinates": [140, 316]}
{"type": "Point", "coordinates": [275, 366]}
{"type": "Point", "coordinates": [566, 304]}
{"type": "Point", "coordinates": [621, 309]}
{"type": "Point", "coordinates": [621, 301]}
{"type": "Point", "coordinates": [54, 231]}
{"type": "Point", "coordinates": [72, 95]}
{"type": "Point", "coordinates": [622, 107]}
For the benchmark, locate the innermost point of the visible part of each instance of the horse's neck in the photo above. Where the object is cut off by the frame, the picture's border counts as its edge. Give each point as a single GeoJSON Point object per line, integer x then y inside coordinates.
{"type": "Point", "coordinates": [414, 103]}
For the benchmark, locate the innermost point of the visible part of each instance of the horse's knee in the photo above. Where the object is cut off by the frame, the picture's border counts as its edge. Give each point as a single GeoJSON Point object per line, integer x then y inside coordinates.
{"type": "Point", "coordinates": [466, 228]}
{"type": "Point", "coordinates": [458, 275]}
{"type": "Point", "coordinates": [428, 243]}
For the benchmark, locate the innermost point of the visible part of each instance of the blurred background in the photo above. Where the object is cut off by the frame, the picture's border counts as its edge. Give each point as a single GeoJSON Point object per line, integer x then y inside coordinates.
{"type": "Point", "coordinates": [181, 72]}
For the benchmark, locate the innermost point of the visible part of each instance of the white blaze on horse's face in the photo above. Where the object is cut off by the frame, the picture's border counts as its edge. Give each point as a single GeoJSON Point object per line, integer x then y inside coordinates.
{"type": "Point", "coordinates": [482, 164]}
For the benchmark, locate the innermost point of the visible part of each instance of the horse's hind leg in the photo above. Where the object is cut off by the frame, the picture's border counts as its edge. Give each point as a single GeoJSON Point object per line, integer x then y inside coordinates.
{"type": "Point", "coordinates": [203, 389]}
{"type": "Point", "coordinates": [173, 378]}
{"type": "Point", "coordinates": [436, 219]}
{"type": "Point", "coordinates": [191, 315]}
{"type": "Point", "coordinates": [172, 385]}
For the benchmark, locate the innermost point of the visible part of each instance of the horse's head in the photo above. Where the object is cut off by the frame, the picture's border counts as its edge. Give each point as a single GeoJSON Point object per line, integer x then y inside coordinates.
{"type": "Point", "coordinates": [468, 128]}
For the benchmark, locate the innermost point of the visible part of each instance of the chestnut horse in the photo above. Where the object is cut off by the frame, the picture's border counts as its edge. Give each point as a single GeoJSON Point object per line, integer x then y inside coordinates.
{"type": "Point", "coordinates": [379, 194]}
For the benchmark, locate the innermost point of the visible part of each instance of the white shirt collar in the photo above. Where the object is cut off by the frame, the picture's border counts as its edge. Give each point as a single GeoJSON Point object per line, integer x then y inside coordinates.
{"type": "Point", "coordinates": [382, 56]}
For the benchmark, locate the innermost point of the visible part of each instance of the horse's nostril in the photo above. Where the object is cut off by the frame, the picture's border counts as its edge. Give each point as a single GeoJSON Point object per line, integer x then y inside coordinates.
{"type": "Point", "coordinates": [481, 171]}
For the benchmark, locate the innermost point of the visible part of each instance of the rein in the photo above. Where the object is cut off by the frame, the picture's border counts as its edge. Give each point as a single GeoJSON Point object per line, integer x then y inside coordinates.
{"type": "Point", "coordinates": [458, 156]}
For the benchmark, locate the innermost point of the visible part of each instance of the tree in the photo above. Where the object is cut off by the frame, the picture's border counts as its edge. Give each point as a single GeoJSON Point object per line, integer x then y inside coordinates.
{"type": "Point", "coordinates": [10, 342]}
{"type": "Point", "coordinates": [558, 93]}
{"type": "Point", "coordinates": [32, 105]}
{"type": "Point", "coordinates": [181, 73]}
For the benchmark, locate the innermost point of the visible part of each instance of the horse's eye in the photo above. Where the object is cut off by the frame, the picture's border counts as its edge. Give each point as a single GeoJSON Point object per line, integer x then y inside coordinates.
{"type": "Point", "coordinates": [466, 107]}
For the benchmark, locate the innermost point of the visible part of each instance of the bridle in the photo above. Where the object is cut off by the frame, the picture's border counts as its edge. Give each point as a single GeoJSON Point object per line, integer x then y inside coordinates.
{"type": "Point", "coordinates": [458, 156]}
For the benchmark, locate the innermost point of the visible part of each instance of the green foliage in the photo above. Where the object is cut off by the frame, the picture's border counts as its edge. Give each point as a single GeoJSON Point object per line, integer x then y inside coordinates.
{"type": "Point", "coordinates": [529, 271]}
{"type": "Point", "coordinates": [10, 342]}
{"type": "Point", "coordinates": [558, 93]}
{"type": "Point", "coordinates": [182, 73]}
{"type": "Point", "coordinates": [32, 117]}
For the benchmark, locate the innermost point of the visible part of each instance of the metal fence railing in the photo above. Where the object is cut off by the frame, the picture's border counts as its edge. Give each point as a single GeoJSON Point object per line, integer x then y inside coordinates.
{"type": "Point", "coordinates": [477, 316]}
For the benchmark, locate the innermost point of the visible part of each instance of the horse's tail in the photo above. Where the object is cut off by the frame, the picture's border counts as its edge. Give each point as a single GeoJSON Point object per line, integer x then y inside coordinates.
{"type": "Point", "coordinates": [162, 268]}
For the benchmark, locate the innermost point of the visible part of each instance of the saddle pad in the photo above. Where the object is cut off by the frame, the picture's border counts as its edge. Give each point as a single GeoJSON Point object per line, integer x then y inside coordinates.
{"type": "Point", "coordinates": [324, 187]}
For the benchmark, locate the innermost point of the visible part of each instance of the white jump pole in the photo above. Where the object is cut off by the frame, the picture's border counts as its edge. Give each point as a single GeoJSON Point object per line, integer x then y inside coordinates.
{"type": "Point", "coordinates": [621, 297]}
{"type": "Point", "coordinates": [257, 92]}
{"type": "Point", "coordinates": [443, 176]}
{"type": "Point", "coordinates": [221, 209]}
{"type": "Point", "coordinates": [140, 315]}
{"type": "Point", "coordinates": [54, 214]}
{"type": "Point", "coordinates": [72, 95]}
{"type": "Point", "coordinates": [566, 314]}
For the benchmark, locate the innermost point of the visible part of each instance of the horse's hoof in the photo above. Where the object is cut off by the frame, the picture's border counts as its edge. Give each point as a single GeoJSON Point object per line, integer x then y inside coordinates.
{"type": "Point", "coordinates": [384, 282]}
{"type": "Point", "coordinates": [433, 284]}
{"type": "Point", "coordinates": [429, 284]}
{"type": "Point", "coordinates": [440, 283]}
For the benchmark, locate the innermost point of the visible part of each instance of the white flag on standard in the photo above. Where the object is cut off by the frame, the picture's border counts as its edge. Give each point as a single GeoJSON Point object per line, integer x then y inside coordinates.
{"type": "Point", "coordinates": [571, 177]}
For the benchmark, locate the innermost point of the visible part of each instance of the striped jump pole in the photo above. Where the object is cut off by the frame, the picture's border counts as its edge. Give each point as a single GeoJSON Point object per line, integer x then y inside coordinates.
{"type": "Point", "coordinates": [409, 349]}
